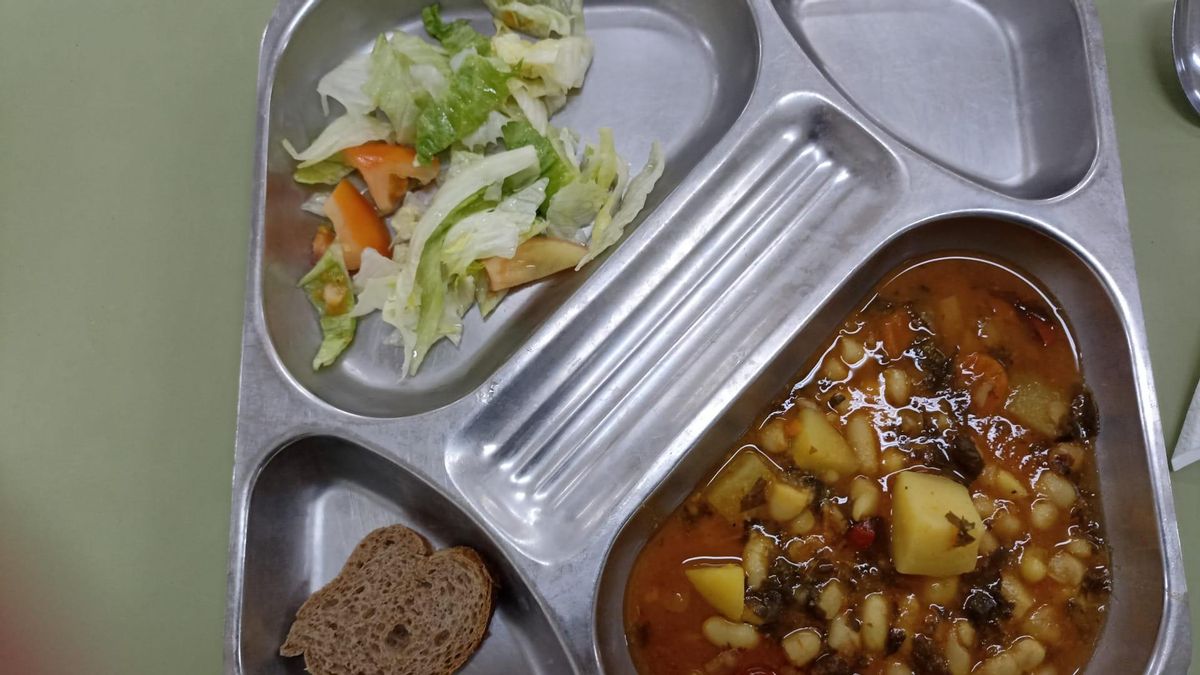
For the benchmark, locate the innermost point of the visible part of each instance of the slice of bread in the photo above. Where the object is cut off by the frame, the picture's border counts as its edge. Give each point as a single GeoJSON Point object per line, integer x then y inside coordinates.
{"type": "Point", "coordinates": [395, 609]}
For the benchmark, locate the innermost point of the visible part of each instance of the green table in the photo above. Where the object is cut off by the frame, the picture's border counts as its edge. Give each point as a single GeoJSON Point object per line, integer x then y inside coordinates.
{"type": "Point", "coordinates": [126, 132]}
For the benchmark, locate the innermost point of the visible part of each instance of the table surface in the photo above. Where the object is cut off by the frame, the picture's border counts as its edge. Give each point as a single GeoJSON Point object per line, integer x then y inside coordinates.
{"type": "Point", "coordinates": [122, 266]}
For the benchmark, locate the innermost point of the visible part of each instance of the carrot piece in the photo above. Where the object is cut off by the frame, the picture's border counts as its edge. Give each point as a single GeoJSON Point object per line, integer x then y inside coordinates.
{"type": "Point", "coordinates": [535, 259]}
{"type": "Point", "coordinates": [357, 224]}
{"type": "Point", "coordinates": [386, 169]}
{"type": "Point", "coordinates": [986, 380]}
{"type": "Point", "coordinates": [897, 334]}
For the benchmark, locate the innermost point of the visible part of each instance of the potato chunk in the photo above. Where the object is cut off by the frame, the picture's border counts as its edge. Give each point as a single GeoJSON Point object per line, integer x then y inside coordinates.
{"type": "Point", "coordinates": [735, 481]}
{"type": "Point", "coordinates": [819, 447]}
{"type": "Point", "coordinates": [1037, 405]}
{"type": "Point", "coordinates": [935, 527]}
{"type": "Point", "coordinates": [723, 586]}
{"type": "Point", "coordinates": [785, 502]}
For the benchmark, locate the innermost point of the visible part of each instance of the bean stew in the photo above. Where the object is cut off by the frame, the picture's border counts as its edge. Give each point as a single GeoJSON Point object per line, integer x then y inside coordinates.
{"type": "Point", "coordinates": [922, 501]}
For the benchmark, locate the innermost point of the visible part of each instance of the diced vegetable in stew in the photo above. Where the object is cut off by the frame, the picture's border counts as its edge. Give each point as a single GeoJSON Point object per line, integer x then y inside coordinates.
{"type": "Point", "coordinates": [923, 502]}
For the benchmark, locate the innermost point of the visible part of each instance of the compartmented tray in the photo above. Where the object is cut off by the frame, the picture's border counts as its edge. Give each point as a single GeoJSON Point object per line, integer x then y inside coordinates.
{"type": "Point", "coordinates": [812, 146]}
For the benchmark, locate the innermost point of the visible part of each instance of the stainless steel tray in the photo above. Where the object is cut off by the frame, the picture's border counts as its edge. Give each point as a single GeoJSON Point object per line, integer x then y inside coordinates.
{"type": "Point", "coordinates": [812, 145]}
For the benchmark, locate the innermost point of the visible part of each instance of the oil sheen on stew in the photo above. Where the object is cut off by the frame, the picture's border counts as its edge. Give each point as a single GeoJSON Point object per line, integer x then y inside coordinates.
{"type": "Point", "coordinates": [921, 502]}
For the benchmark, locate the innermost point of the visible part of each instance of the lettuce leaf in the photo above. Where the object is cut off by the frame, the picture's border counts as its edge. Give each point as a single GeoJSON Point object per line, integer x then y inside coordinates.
{"type": "Point", "coordinates": [476, 89]}
{"type": "Point", "coordinates": [344, 132]}
{"type": "Point", "coordinates": [419, 316]}
{"type": "Point", "coordinates": [584, 199]}
{"type": "Point", "coordinates": [345, 84]}
{"type": "Point", "coordinates": [325, 172]}
{"type": "Point", "coordinates": [557, 170]}
{"type": "Point", "coordinates": [454, 36]}
{"type": "Point", "coordinates": [494, 232]}
{"type": "Point", "coordinates": [632, 203]}
{"type": "Point", "coordinates": [529, 101]}
{"type": "Point", "coordinates": [560, 64]}
{"type": "Point", "coordinates": [540, 18]}
{"type": "Point", "coordinates": [394, 90]}
{"type": "Point", "coordinates": [491, 131]}
{"type": "Point", "coordinates": [374, 282]}
{"type": "Point", "coordinates": [337, 328]}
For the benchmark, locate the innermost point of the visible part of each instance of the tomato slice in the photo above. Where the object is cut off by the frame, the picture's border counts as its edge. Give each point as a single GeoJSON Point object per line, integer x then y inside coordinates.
{"type": "Point", "coordinates": [356, 223]}
{"type": "Point", "coordinates": [386, 169]}
{"type": "Point", "coordinates": [535, 259]}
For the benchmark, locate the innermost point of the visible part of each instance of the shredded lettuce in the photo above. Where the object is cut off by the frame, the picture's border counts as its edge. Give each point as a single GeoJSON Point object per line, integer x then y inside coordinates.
{"type": "Point", "coordinates": [476, 90]}
{"type": "Point", "coordinates": [337, 326]}
{"type": "Point", "coordinates": [557, 170]}
{"type": "Point", "coordinates": [463, 96]}
{"type": "Point", "coordinates": [393, 89]}
{"type": "Point", "coordinates": [345, 83]}
{"type": "Point", "coordinates": [491, 131]}
{"type": "Point", "coordinates": [325, 172]}
{"type": "Point", "coordinates": [418, 317]}
{"type": "Point", "coordinates": [584, 199]}
{"type": "Point", "coordinates": [454, 36]}
{"type": "Point", "coordinates": [540, 18]}
{"type": "Point", "coordinates": [315, 204]}
{"type": "Point", "coordinates": [494, 232]}
{"type": "Point", "coordinates": [344, 132]}
{"type": "Point", "coordinates": [632, 203]}
{"type": "Point", "coordinates": [560, 64]}
{"type": "Point", "coordinates": [374, 282]}
{"type": "Point", "coordinates": [530, 103]}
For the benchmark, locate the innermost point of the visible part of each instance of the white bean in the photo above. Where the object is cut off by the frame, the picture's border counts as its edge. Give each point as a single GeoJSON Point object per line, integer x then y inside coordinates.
{"type": "Point", "coordinates": [1043, 514]}
{"type": "Point", "coordinates": [842, 639]}
{"type": "Point", "coordinates": [832, 599]}
{"type": "Point", "coordinates": [893, 461]}
{"type": "Point", "coordinates": [774, 438]}
{"type": "Point", "coordinates": [802, 646]}
{"type": "Point", "coordinates": [756, 558]}
{"type": "Point", "coordinates": [873, 612]}
{"type": "Point", "coordinates": [864, 498]}
{"type": "Point", "coordinates": [941, 591]}
{"type": "Point", "coordinates": [1057, 489]}
{"type": "Point", "coordinates": [1015, 592]}
{"type": "Point", "coordinates": [957, 657]}
{"type": "Point", "coordinates": [724, 633]}
{"type": "Point", "coordinates": [1044, 624]}
{"type": "Point", "coordinates": [896, 387]}
{"type": "Point", "coordinates": [1028, 652]}
{"type": "Point", "coordinates": [803, 524]}
{"type": "Point", "coordinates": [1066, 569]}
{"type": "Point", "coordinates": [1033, 565]}
{"type": "Point", "coordinates": [861, 436]}
{"type": "Point", "coordinates": [1080, 548]}
{"type": "Point", "coordinates": [1000, 664]}
{"type": "Point", "coordinates": [834, 369]}
{"type": "Point", "coordinates": [852, 351]}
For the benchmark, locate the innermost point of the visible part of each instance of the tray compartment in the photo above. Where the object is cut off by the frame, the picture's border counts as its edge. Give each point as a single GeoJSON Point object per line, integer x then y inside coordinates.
{"type": "Point", "coordinates": [996, 90]}
{"type": "Point", "coordinates": [313, 502]}
{"type": "Point", "coordinates": [666, 70]}
{"type": "Point", "coordinates": [1140, 585]}
{"type": "Point", "coordinates": [605, 400]}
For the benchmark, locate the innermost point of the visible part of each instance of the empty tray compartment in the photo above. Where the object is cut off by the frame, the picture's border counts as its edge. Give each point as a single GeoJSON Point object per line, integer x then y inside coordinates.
{"type": "Point", "coordinates": [995, 90]}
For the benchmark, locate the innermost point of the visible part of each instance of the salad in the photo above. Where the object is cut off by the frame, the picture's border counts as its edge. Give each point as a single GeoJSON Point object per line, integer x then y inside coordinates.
{"type": "Point", "coordinates": [469, 189]}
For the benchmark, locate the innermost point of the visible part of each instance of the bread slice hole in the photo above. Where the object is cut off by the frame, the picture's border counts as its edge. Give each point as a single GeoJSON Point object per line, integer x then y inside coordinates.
{"type": "Point", "coordinates": [397, 637]}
